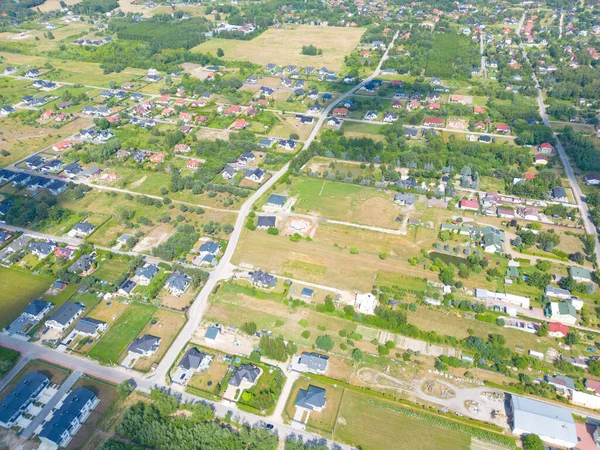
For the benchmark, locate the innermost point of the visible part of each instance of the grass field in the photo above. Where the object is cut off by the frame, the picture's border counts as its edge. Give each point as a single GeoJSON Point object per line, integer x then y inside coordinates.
{"type": "Point", "coordinates": [345, 202]}
{"type": "Point", "coordinates": [327, 259]}
{"type": "Point", "coordinates": [19, 287]}
{"type": "Point", "coordinates": [284, 45]}
{"type": "Point", "coordinates": [110, 270]}
{"type": "Point", "coordinates": [125, 329]}
{"type": "Point", "coordinates": [373, 424]}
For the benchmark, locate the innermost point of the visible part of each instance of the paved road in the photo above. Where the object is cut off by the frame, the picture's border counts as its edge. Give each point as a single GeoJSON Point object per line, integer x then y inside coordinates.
{"type": "Point", "coordinates": [62, 391]}
{"type": "Point", "coordinates": [583, 207]}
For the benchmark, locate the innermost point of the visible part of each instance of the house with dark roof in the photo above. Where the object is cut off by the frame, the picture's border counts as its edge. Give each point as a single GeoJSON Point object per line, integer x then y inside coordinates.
{"type": "Point", "coordinates": [313, 398]}
{"type": "Point", "coordinates": [81, 229]}
{"type": "Point", "coordinates": [265, 222]}
{"type": "Point", "coordinates": [560, 195]}
{"type": "Point", "coordinates": [68, 418]}
{"type": "Point", "coordinates": [17, 401]}
{"type": "Point", "coordinates": [178, 283]}
{"type": "Point", "coordinates": [262, 279]}
{"type": "Point", "coordinates": [36, 310]}
{"type": "Point", "coordinates": [244, 376]}
{"type": "Point", "coordinates": [145, 274]}
{"type": "Point", "coordinates": [193, 361]}
{"type": "Point", "coordinates": [257, 175]}
{"type": "Point", "coordinates": [126, 287]}
{"type": "Point", "coordinates": [276, 200]}
{"type": "Point", "coordinates": [42, 249]}
{"type": "Point", "coordinates": [82, 265]}
{"type": "Point", "coordinates": [145, 345]}
{"type": "Point", "coordinates": [404, 199]}
{"type": "Point", "coordinates": [64, 316]}
{"type": "Point", "coordinates": [57, 187]}
{"type": "Point", "coordinates": [87, 326]}
{"type": "Point", "coordinates": [580, 274]}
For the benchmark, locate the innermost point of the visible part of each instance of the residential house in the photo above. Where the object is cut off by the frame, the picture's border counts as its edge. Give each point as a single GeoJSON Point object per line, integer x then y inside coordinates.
{"type": "Point", "coordinates": [551, 291]}
{"type": "Point", "coordinates": [563, 312]}
{"type": "Point", "coordinates": [145, 274]}
{"type": "Point", "coordinates": [178, 283]}
{"type": "Point", "coordinates": [42, 249]}
{"type": "Point", "coordinates": [469, 205]}
{"type": "Point", "coordinates": [64, 252]}
{"type": "Point", "coordinates": [311, 362]}
{"type": "Point", "coordinates": [81, 229]}
{"type": "Point", "coordinates": [264, 222]}
{"type": "Point", "coordinates": [257, 175]}
{"type": "Point", "coordinates": [64, 316]}
{"type": "Point", "coordinates": [82, 265]}
{"type": "Point", "coordinates": [557, 329]}
{"type": "Point", "coordinates": [313, 398]}
{"type": "Point", "coordinates": [592, 179]}
{"type": "Point", "coordinates": [66, 421]}
{"type": "Point", "coordinates": [540, 159]}
{"type": "Point", "coordinates": [126, 288]}
{"type": "Point", "coordinates": [192, 362]}
{"type": "Point", "coordinates": [18, 401]}
{"type": "Point", "coordinates": [36, 310]}
{"type": "Point", "coordinates": [276, 200]}
{"type": "Point", "coordinates": [580, 274]}
{"type": "Point", "coordinates": [244, 376]}
{"type": "Point", "coordinates": [87, 326]}
{"type": "Point", "coordinates": [545, 148]}
{"type": "Point", "coordinates": [262, 279]}
{"type": "Point", "coordinates": [146, 345]}
{"type": "Point", "coordinates": [365, 303]}
{"type": "Point", "coordinates": [404, 199]}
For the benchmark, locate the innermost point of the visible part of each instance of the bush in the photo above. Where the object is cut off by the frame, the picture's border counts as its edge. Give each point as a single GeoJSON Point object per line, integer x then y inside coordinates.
{"type": "Point", "coordinates": [249, 328]}
{"type": "Point", "coordinates": [305, 334]}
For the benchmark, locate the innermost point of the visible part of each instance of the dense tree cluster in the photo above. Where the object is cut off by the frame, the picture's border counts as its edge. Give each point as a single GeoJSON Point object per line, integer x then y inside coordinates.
{"type": "Point", "coordinates": [178, 244]}
{"type": "Point", "coordinates": [163, 31]}
{"type": "Point", "coordinates": [153, 426]}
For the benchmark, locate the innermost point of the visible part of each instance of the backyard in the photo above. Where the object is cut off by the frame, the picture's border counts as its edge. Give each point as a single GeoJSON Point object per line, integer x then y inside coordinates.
{"type": "Point", "coordinates": [125, 329]}
{"type": "Point", "coordinates": [19, 287]}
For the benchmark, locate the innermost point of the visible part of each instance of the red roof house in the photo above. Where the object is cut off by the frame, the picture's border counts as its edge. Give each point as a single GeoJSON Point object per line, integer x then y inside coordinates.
{"type": "Point", "coordinates": [558, 329]}
{"type": "Point", "coordinates": [471, 205]}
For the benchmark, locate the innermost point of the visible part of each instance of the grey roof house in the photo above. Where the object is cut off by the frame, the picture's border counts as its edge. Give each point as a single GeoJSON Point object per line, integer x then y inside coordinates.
{"type": "Point", "coordinates": [64, 316]}
{"type": "Point", "coordinates": [145, 346]}
{"type": "Point", "coordinates": [262, 279]}
{"type": "Point", "coordinates": [16, 402]}
{"type": "Point", "coordinates": [178, 283]}
{"type": "Point", "coordinates": [245, 373]}
{"type": "Point", "coordinates": [312, 399]}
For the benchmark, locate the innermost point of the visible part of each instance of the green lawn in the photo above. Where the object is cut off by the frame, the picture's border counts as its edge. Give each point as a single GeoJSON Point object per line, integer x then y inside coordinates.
{"type": "Point", "coordinates": [374, 424]}
{"type": "Point", "coordinates": [110, 270]}
{"type": "Point", "coordinates": [19, 287]}
{"type": "Point", "coordinates": [126, 328]}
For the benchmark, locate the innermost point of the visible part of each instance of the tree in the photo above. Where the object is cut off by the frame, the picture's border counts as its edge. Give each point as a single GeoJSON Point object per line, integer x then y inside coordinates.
{"type": "Point", "coordinates": [571, 339]}
{"type": "Point", "coordinates": [533, 442]}
{"type": "Point", "coordinates": [325, 343]}
{"type": "Point", "coordinates": [125, 388]}
{"type": "Point", "coordinates": [357, 355]}
{"type": "Point", "coordinates": [543, 330]}
{"type": "Point", "coordinates": [220, 52]}
{"type": "Point", "coordinates": [249, 328]}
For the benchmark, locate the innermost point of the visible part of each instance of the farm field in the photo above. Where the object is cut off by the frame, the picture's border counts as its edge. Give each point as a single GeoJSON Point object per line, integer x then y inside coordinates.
{"type": "Point", "coordinates": [283, 46]}
{"type": "Point", "coordinates": [19, 287]}
{"type": "Point", "coordinates": [125, 329]}
{"type": "Point", "coordinates": [374, 424]}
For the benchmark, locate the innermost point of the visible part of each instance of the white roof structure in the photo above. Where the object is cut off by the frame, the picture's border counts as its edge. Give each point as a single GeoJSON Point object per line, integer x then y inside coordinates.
{"type": "Point", "coordinates": [553, 424]}
{"type": "Point", "coordinates": [365, 303]}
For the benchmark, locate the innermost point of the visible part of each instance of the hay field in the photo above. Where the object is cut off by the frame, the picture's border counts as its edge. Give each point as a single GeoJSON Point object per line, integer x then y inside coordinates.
{"type": "Point", "coordinates": [284, 45]}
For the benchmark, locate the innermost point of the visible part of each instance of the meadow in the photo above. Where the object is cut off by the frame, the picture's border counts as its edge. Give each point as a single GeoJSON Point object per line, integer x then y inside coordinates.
{"type": "Point", "coordinates": [19, 288]}
{"type": "Point", "coordinates": [283, 46]}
